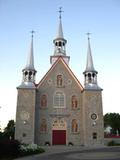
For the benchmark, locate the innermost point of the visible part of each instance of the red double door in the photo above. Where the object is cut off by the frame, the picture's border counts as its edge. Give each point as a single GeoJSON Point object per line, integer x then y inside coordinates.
{"type": "Point", "coordinates": [59, 137]}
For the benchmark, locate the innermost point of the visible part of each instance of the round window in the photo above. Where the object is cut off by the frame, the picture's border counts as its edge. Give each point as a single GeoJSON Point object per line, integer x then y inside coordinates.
{"type": "Point", "coordinates": [93, 116]}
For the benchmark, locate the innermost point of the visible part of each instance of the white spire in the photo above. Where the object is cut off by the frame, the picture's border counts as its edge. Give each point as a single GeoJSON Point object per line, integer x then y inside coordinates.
{"type": "Point", "coordinates": [59, 43]}
{"type": "Point", "coordinates": [60, 30]}
{"type": "Point", "coordinates": [30, 59]}
{"type": "Point", "coordinates": [90, 74]}
{"type": "Point", "coordinates": [29, 72]}
{"type": "Point", "coordinates": [89, 64]}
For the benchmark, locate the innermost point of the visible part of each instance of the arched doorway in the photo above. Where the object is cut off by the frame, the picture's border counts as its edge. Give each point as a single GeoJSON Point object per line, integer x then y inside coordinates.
{"type": "Point", "coordinates": [59, 131]}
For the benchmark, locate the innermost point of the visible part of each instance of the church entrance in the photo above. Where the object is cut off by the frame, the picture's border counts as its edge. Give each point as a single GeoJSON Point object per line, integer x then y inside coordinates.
{"type": "Point", "coordinates": [59, 132]}
{"type": "Point", "coordinates": [59, 137]}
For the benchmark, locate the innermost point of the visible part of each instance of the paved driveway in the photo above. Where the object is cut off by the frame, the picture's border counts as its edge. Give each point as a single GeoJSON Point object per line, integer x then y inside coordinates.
{"type": "Point", "coordinates": [111, 153]}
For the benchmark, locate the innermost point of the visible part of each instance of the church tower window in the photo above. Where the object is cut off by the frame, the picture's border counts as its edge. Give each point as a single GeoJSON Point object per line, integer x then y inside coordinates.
{"type": "Point", "coordinates": [43, 101]}
{"type": "Point", "coordinates": [74, 126]}
{"type": "Point", "coordinates": [59, 99]}
{"type": "Point", "coordinates": [43, 126]}
{"type": "Point", "coordinates": [74, 102]}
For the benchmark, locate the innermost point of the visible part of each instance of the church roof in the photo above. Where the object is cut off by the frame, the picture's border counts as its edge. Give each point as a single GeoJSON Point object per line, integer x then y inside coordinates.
{"type": "Point", "coordinates": [68, 69]}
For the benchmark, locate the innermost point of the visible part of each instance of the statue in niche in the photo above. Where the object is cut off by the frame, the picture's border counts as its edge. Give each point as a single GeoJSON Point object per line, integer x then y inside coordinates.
{"type": "Point", "coordinates": [43, 101]}
{"type": "Point", "coordinates": [74, 102]}
{"type": "Point", "coordinates": [59, 80]}
{"type": "Point", "coordinates": [74, 126]}
{"type": "Point", "coordinates": [43, 126]}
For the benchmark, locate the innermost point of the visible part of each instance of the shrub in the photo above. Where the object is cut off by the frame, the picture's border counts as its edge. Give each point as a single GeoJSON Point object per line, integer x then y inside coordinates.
{"type": "Point", "coordinates": [113, 143]}
{"type": "Point", "coordinates": [30, 149]}
{"type": "Point", "coordinates": [9, 148]}
{"type": "Point", "coordinates": [13, 148]}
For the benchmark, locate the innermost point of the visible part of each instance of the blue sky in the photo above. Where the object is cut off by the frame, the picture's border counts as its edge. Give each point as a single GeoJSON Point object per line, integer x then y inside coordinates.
{"type": "Point", "coordinates": [19, 17]}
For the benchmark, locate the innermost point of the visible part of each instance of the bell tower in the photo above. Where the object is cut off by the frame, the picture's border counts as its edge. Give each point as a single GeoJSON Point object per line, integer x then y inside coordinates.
{"type": "Point", "coordinates": [26, 102]}
{"type": "Point", "coordinates": [90, 74]}
{"type": "Point", "coordinates": [59, 43]}
{"type": "Point", "coordinates": [93, 129]}
{"type": "Point", "coordinates": [29, 71]}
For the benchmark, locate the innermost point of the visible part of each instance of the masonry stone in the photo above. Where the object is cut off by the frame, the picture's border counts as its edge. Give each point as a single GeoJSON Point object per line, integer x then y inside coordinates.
{"type": "Point", "coordinates": [59, 110]}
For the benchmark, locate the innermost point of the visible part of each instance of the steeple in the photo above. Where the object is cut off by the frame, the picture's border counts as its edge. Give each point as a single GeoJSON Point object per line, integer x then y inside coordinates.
{"type": "Point", "coordinates": [90, 74]}
{"type": "Point", "coordinates": [89, 65]}
{"type": "Point", "coordinates": [60, 30]}
{"type": "Point", "coordinates": [29, 70]}
{"type": "Point", "coordinates": [30, 59]}
{"type": "Point", "coordinates": [59, 43]}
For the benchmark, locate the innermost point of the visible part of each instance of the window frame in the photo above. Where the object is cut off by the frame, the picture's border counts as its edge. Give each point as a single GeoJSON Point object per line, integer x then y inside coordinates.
{"type": "Point", "coordinates": [57, 100]}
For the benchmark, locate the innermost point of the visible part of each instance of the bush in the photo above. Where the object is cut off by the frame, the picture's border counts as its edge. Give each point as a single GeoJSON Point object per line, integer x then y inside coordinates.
{"type": "Point", "coordinates": [113, 143]}
{"type": "Point", "coordinates": [30, 149]}
{"type": "Point", "coordinates": [9, 148]}
{"type": "Point", "coordinates": [13, 149]}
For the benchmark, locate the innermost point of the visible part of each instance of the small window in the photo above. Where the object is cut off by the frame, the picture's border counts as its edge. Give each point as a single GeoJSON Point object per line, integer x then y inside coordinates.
{"type": "Point", "coordinates": [74, 126]}
{"type": "Point", "coordinates": [94, 135]}
{"type": "Point", "coordinates": [74, 102]}
{"type": "Point", "coordinates": [59, 100]}
{"type": "Point", "coordinates": [43, 126]}
{"type": "Point", "coordinates": [43, 101]}
{"type": "Point", "coordinates": [24, 134]}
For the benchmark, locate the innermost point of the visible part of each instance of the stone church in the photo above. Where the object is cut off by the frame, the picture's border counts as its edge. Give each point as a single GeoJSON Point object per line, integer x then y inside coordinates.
{"type": "Point", "coordinates": [59, 110]}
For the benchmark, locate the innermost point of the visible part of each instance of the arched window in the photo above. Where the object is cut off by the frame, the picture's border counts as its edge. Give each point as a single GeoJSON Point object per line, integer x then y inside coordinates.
{"type": "Point", "coordinates": [74, 126]}
{"type": "Point", "coordinates": [59, 80]}
{"type": "Point", "coordinates": [89, 77]}
{"type": "Point", "coordinates": [74, 102]}
{"type": "Point", "coordinates": [59, 99]}
{"type": "Point", "coordinates": [60, 43]}
{"type": "Point", "coordinates": [43, 101]}
{"type": "Point", "coordinates": [43, 125]}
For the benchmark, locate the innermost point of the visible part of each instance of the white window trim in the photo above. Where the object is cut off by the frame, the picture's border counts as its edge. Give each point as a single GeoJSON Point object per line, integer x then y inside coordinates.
{"type": "Point", "coordinates": [62, 106]}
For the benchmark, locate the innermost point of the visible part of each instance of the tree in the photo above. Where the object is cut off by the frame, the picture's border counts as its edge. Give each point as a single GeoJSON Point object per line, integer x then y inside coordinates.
{"type": "Point", "coordinates": [113, 120]}
{"type": "Point", "coordinates": [9, 131]}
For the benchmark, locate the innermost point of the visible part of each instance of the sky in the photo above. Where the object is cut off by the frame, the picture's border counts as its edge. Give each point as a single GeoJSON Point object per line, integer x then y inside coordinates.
{"type": "Point", "coordinates": [99, 17]}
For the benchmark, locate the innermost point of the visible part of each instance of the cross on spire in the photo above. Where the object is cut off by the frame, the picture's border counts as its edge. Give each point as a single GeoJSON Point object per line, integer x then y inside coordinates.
{"type": "Point", "coordinates": [32, 33]}
{"type": "Point", "coordinates": [60, 11]}
{"type": "Point", "coordinates": [88, 34]}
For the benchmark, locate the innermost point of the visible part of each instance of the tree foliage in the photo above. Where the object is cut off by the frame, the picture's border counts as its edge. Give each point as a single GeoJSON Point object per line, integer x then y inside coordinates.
{"type": "Point", "coordinates": [113, 120]}
{"type": "Point", "coordinates": [9, 131]}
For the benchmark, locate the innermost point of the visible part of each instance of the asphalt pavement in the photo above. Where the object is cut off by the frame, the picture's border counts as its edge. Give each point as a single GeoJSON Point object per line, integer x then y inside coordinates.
{"type": "Point", "coordinates": [76, 153]}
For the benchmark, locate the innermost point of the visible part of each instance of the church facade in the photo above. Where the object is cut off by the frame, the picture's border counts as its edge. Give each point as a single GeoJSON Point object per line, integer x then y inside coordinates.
{"type": "Point", "coordinates": [59, 110]}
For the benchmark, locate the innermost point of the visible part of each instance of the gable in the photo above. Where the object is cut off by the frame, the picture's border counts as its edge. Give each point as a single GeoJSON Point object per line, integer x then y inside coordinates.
{"type": "Point", "coordinates": [60, 68]}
